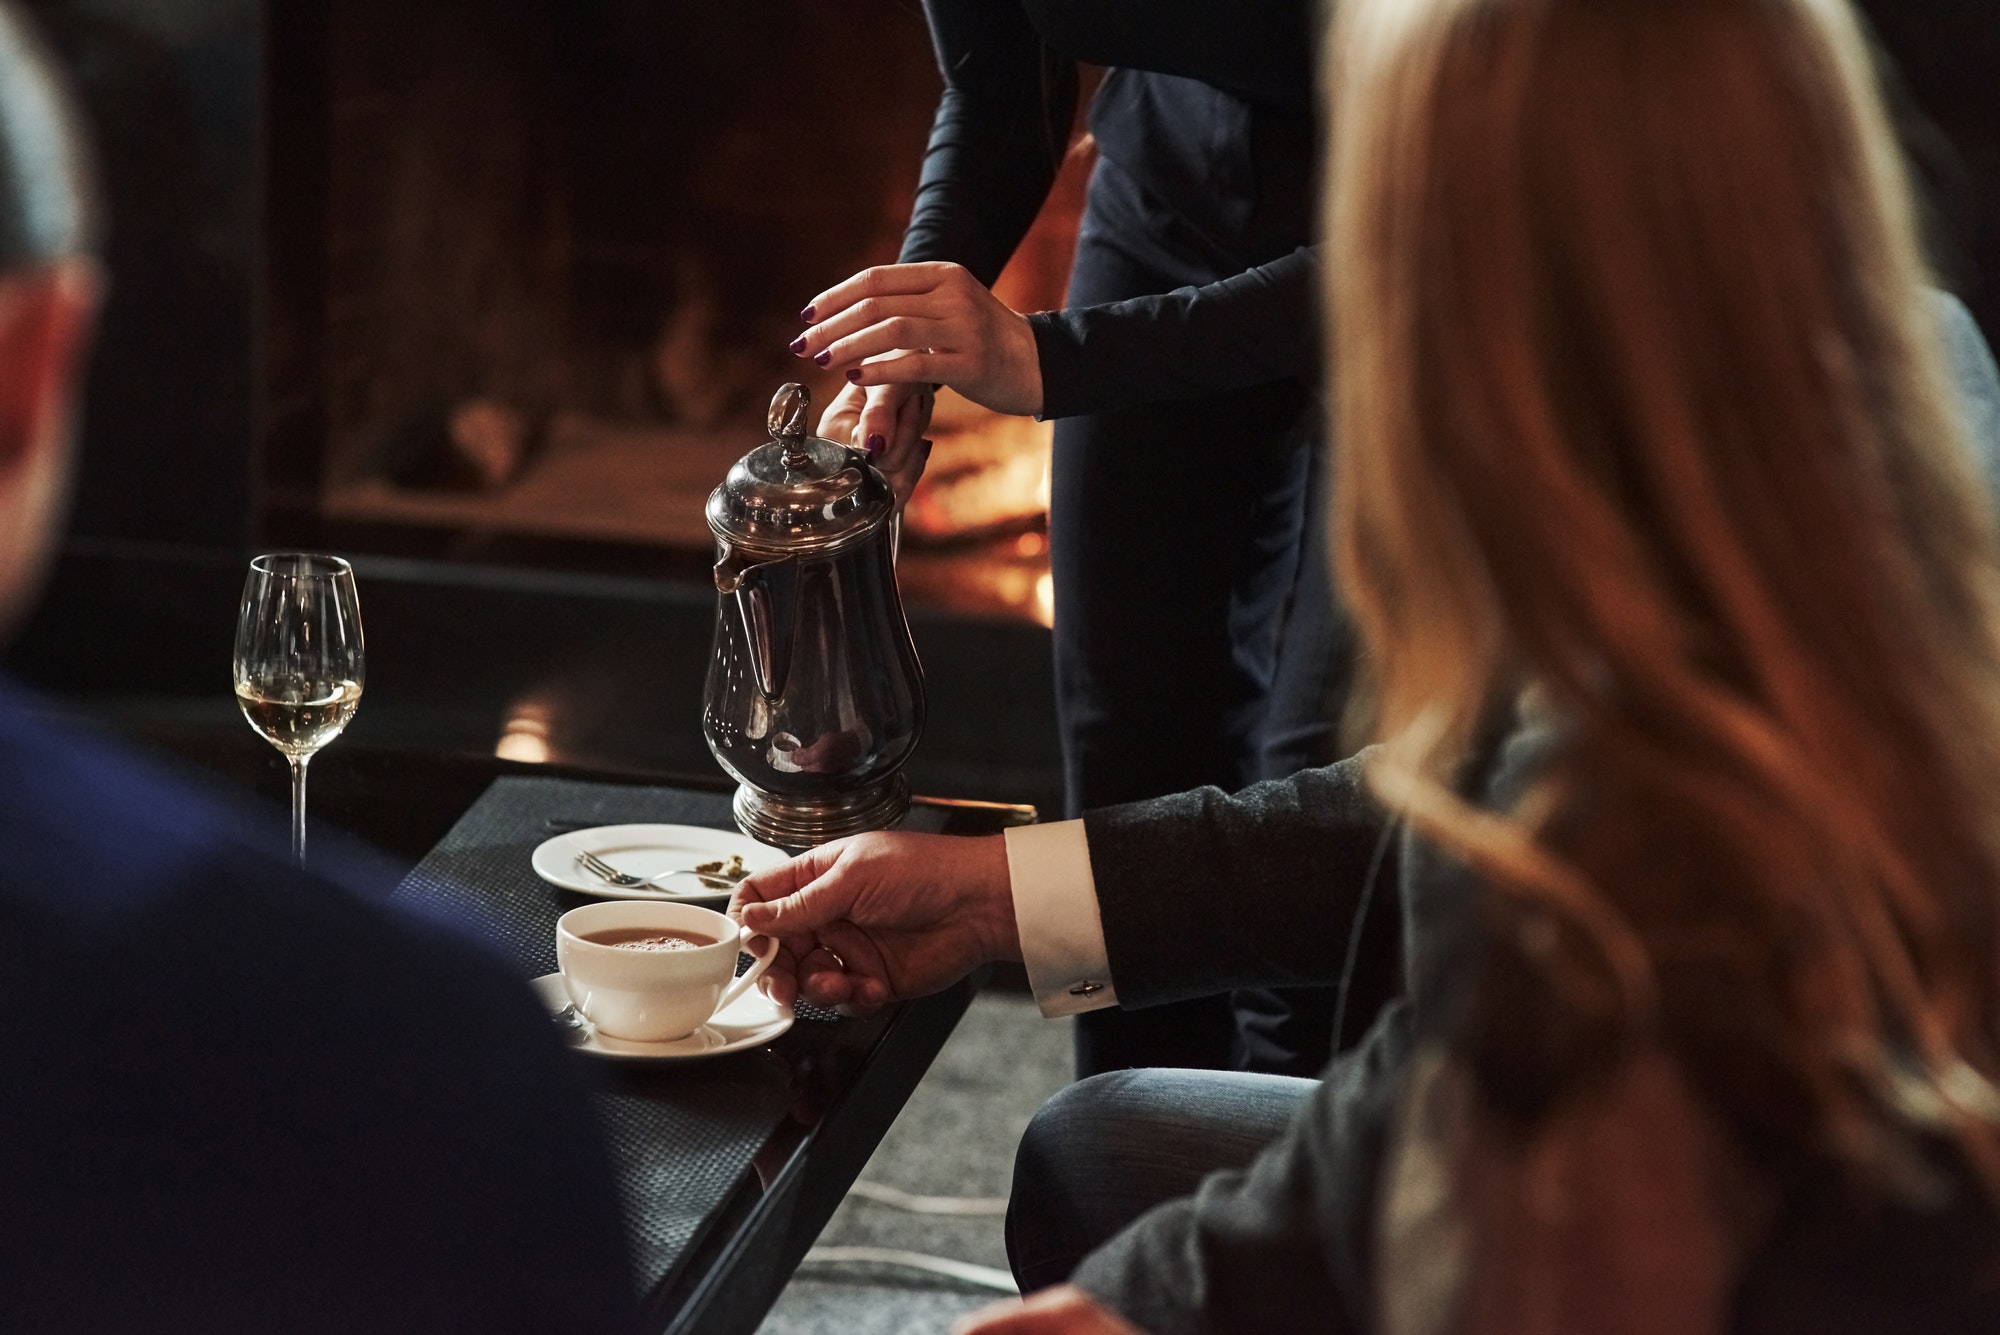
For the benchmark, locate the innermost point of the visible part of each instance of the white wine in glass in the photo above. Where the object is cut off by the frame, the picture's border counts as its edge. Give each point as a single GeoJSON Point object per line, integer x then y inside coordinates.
{"type": "Point", "coordinates": [298, 663]}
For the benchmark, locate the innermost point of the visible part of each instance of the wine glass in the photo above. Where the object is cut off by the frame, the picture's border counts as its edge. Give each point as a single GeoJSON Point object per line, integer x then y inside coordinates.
{"type": "Point", "coordinates": [298, 660]}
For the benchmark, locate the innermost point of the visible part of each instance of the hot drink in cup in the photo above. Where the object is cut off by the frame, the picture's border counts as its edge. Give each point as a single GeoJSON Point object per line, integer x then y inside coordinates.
{"type": "Point", "coordinates": [651, 972]}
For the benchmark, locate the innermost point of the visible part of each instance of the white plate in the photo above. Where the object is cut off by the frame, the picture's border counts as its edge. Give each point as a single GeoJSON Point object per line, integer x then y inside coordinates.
{"type": "Point", "coordinates": [647, 850]}
{"type": "Point", "coordinates": [750, 1021]}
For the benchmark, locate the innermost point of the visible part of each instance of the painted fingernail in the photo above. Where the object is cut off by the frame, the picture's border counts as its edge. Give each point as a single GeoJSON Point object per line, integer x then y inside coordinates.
{"type": "Point", "coordinates": [855, 375]}
{"type": "Point", "coordinates": [807, 315]}
{"type": "Point", "coordinates": [875, 445]}
{"type": "Point", "coordinates": [798, 346]}
{"type": "Point", "coordinates": [822, 358]}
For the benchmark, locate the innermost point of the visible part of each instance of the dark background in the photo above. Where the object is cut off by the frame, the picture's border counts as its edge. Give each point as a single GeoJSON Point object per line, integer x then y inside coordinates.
{"type": "Point", "coordinates": [204, 409]}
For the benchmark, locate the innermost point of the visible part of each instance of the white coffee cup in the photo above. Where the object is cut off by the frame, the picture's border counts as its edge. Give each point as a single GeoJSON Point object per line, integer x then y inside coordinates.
{"type": "Point", "coordinates": [653, 995]}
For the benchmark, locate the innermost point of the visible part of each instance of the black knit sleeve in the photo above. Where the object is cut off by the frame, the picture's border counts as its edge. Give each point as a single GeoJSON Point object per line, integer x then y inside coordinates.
{"type": "Point", "coordinates": [1247, 329]}
{"type": "Point", "coordinates": [1000, 132]}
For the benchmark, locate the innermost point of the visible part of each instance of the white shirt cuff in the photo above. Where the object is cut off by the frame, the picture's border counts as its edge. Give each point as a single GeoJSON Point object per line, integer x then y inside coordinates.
{"type": "Point", "coordinates": [1055, 910]}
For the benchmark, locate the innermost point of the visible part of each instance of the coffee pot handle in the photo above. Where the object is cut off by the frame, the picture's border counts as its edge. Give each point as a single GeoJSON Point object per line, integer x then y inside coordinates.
{"type": "Point", "coordinates": [765, 592]}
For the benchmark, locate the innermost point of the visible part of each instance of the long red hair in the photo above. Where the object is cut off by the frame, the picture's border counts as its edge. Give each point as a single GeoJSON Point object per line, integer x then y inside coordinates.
{"type": "Point", "coordinates": [1640, 407]}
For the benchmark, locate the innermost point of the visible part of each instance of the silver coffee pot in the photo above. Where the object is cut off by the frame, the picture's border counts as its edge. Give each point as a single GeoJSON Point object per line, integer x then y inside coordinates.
{"type": "Point", "coordinates": [815, 697]}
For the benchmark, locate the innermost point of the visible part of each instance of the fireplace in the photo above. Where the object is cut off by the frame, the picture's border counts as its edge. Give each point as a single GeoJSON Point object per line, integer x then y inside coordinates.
{"type": "Point", "coordinates": [243, 393]}
{"type": "Point", "coordinates": [508, 281]}
{"type": "Point", "coordinates": [534, 267]}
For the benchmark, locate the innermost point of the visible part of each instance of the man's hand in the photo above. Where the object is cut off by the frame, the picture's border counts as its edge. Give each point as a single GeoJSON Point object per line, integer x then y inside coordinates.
{"type": "Point", "coordinates": [881, 917]}
{"type": "Point", "coordinates": [1062, 1310]}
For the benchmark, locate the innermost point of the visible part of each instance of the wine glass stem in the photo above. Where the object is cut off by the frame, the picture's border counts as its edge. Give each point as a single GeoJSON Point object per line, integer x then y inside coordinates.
{"type": "Point", "coordinates": [299, 807]}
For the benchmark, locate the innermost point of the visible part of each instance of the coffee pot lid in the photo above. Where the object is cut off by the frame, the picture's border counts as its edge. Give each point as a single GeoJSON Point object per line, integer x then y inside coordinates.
{"type": "Point", "coordinates": [798, 492]}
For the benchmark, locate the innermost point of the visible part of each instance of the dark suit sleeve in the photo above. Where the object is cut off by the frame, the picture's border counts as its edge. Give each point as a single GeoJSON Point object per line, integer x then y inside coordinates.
{"type": "Point", "coordinates": [1204, 891]}
{"type": "Point", "coordinates": [1000, 132]}
{"type": "Point", "coordinates": [1247, 329]}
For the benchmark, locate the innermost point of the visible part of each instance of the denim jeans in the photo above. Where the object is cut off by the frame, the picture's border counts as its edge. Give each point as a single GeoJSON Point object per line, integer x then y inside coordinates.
{"type": "Point", "coordinates": [1106, 1150]}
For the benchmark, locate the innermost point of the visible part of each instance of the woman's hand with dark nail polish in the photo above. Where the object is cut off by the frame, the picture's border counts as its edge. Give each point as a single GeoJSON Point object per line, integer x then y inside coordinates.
{"type": "Point", "coordinates": [930, 323]}
{"type": "Point", "coordinates": [798, 346]}
{"type": "Point", "coordinates": [885, 424]}
{"type": "Point", "coordinates": [806, 315]}
{"type": "Point", "coordinates": [822, 358]}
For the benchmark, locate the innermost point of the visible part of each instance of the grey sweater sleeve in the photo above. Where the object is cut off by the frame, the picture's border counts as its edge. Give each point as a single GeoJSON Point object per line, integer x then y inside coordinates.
{"type": "Point", "coordinates": [1978, 383]}
{"type": "Point", "coordinates": [1204, 891]}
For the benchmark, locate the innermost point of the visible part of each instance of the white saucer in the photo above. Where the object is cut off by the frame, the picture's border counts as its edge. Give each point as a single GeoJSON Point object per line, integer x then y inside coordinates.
{"type": "Point", "coordinates": [750, 1021]}
{"type": "Point", "coordinates": [646, 850]}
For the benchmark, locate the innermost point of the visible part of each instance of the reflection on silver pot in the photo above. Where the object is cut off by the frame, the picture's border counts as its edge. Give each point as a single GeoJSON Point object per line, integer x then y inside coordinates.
{"type": "Point", "coordinates": [815, 697]}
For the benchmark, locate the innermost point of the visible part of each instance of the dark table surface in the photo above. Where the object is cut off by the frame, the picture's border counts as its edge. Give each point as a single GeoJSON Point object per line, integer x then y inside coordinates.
{"type": "Point", "coordinates": [730, 1166]}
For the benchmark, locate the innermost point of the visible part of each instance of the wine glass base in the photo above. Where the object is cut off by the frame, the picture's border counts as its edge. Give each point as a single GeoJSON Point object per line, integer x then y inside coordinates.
{"type": "Point", "coordinates": [798, 823]}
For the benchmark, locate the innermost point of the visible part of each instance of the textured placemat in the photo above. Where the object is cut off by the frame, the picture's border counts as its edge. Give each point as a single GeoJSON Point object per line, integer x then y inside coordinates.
{"type": "Point", "coordinates": [480, 871]}
{"type": "Point", "coordinates": [681, 1134]}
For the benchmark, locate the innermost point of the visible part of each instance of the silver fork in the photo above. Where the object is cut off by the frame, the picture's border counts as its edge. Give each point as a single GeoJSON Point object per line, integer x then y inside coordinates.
{"type": "Point", "coordinates": [625, 880]}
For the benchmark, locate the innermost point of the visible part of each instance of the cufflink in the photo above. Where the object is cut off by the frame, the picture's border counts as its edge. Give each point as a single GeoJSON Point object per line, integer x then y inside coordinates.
{"type": "Point", "coordinates": [1086, 989]}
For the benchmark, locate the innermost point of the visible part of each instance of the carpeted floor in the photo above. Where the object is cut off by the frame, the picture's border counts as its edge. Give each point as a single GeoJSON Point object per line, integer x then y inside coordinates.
{"type": "Point", "coordinates": [955, 1139]}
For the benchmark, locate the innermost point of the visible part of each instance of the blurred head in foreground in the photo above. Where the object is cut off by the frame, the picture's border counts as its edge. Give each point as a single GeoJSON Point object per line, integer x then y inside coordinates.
{"type": "Point", "coordinates": [48, 293]}
{"type": "Point", "coordinates": [1642, 413]}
